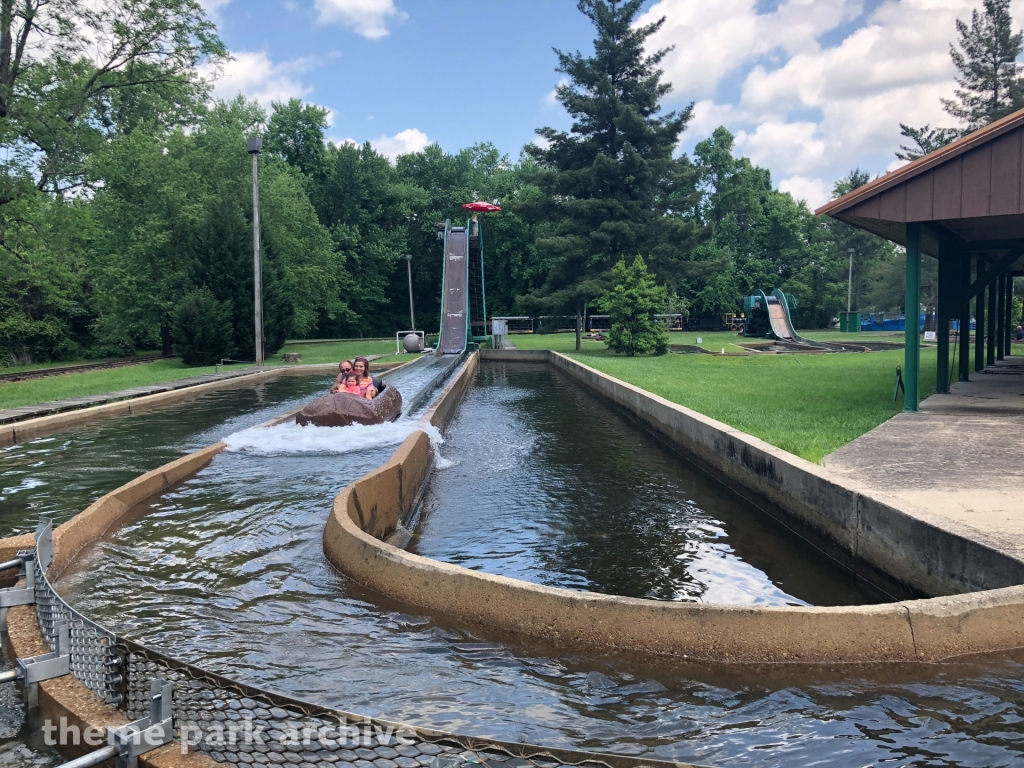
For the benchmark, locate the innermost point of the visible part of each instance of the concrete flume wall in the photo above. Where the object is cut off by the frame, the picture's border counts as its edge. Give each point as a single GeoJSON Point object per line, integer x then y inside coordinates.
{"type": "Point", "coordinates": [915, 630]}
{"type": "Point", "coordinates": [863, 532]}
{"type": "Point", "coordinates": [67, 697]}
{"type": "Point", "coordinates": [374, 505]}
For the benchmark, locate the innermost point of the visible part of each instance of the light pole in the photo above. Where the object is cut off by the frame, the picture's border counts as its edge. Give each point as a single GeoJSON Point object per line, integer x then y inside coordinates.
{"type": "Point", "coordinates": [849, 288]}
{"type": "Point", "coordinates": [254, 146]}
{"type": "Point", "coordinates": [412, 314]}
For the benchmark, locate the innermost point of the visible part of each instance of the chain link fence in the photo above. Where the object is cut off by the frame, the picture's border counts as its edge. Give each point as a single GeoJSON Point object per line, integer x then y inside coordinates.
{"type": "Point", "coordinates": [237, 724]}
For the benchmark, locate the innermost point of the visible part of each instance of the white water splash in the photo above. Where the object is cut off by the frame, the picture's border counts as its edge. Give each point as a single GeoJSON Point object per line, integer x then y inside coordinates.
{"type": "Point", "coordinates": [291, 438]}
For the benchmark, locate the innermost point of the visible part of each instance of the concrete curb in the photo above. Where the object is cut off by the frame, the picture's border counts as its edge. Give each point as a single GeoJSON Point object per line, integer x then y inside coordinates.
{"type": "Point", "coordinates": [65, 696]}
{"type": "Point", "coordinates": [916, 630]}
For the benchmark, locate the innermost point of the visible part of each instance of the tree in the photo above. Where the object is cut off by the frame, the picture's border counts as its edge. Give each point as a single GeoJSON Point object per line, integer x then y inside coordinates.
{"type": "Point", "coordinates": [632, 303]}
{"type": "Point", "coordinates": [175, 212]}
{"type": "Point", "coordinates": [926, 140]}
{"type": "Point", "coordinates": [989, 80]}
{"type": "Point", "coordinates": [73, 73]}
{"type": "Point", "coordinates": [44, 301]}
{"type": "Point", "coordinates": [990, 77]}
{"type": "Point", "coordinates": [613, 185]}
{"type": "Point", "coordinates": [296, 133]}
{"type": "Point", "coordinates": [202, 328]}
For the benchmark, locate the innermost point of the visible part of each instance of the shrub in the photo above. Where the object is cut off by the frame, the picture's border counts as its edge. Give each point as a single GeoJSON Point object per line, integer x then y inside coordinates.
{"type": "Point", "coordinates": [202, 328]}
{"type": "Point", "coordinates": [632, 303]}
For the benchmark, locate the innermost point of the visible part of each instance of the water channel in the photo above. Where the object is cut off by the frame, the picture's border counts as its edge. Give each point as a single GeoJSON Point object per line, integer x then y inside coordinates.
{"type": "Point", "coordinates": [227, 570]}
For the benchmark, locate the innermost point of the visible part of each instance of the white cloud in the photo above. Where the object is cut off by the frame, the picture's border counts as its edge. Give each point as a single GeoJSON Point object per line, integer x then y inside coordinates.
{"type": "Point", "coordinates": [212, 8]}
{"type": "Point", "coordinates": [805, 110]}
{"type": "Point", "coordinates": [551, 99]}
{"type": "Point", "coordinates": [253, 74]}
{"type": "Point", "coordinates": [402, 143]}
{"type": "Point", "coordinates": [791, 147]}
{"type": "Point", "coordinates": [712, 39]}
{"type": "Point", "coordinates": [815, 191]}
{"type": "Point", "coordinates": [368, 18]}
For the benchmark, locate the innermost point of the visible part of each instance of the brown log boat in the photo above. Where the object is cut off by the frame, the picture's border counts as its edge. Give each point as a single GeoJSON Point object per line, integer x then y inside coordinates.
{"type": "Point", "coordinates": [342, 409]}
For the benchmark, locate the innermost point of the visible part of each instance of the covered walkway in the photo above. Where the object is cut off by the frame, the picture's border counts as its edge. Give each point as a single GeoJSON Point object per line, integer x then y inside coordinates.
{"type": "Point", "coordinates": [954, 459]}
{"type": "Point", "coordinates": [956, 463]}
{"type": "Point", "coordinates": [963, 205]}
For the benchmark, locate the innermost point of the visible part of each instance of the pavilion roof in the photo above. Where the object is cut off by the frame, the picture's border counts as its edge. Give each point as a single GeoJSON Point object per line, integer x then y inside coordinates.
{"type": "Point", "coordinates": [970, 192]}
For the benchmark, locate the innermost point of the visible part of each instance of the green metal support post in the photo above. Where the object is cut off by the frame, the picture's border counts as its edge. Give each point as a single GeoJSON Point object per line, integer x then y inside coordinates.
{"type": "Point", "coordinates": [1000, 315]}
{"type": "Point", "coordinates": [965, 317]}
{"type": "Point", "coordinates": [1010, 327]}
{"type": "Point", "coordinates": [990, 322]}
{"type": "Point", "coordinates": [947, 275]}
{"type": "Point", "coordinates": [912, 348]}
{"type": "Point", "coordinates": [979, 321]}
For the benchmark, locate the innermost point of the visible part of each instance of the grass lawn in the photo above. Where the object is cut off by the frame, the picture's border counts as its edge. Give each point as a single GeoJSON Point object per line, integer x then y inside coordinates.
{"type": "Point", "coordinates": [18, 393]}
{"type": "Point", "coordinates": [809, 405]}
{"type": "Point", "coordinates": [335, 351]}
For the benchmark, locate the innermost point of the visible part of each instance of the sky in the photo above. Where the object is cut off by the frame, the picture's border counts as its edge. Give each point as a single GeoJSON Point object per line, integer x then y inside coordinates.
{"type": "Point", "coordinates": [810, 88]}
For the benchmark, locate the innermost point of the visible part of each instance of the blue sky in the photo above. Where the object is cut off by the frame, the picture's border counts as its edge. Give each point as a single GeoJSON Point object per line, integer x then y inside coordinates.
{"type": "Point", "coordinates": [811, 88]}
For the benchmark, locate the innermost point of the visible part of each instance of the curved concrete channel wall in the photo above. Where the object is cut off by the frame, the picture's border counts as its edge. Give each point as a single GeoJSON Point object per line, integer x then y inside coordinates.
{"type": "Point", "coordinates": [374, 506]}
{"type": "Point", "coordinates": [69, 699]}
{"type": "Point", "coordinates": [914, 630]}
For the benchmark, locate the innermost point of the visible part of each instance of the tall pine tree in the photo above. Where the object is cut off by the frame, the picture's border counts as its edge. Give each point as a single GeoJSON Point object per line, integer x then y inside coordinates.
{"type": "Point", "coordinates": [615, 188]}
{"type": "Point", "coordinates": [989, 80]}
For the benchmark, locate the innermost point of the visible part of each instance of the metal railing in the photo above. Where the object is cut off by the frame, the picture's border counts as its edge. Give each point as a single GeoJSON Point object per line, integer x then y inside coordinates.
{"type": "Point", "coordinates": [238, 724]}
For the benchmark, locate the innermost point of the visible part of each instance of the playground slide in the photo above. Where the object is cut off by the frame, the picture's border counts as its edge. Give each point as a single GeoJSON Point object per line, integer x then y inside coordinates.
{"type": "Point", "coordinates": [454, 307]}
{"type": "Point", "coordinates": [782, 323]}
{"type": "Point", "coordinates": [778, 316]}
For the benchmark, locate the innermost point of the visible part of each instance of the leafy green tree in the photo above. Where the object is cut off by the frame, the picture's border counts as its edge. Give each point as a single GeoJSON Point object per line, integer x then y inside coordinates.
{"type": "Point", "coordinates": [990, 85]}
{"type": "Point", "coordinates": [632, 303]}
{"type": "Point", "coordinates": [142, 255]}
{"type": "Point", "coordinates": [614, 186]}
{"type": "Point", "coordinates": [175, 212]}
{"type": "Point", "coordinates": [925, 140]}
{"type": "Point", "coordinates": [44, 302]}
{"type": "Point", "coordinates": [364, 206]}
{"type": "Point", "coordinates": [990, 76]}
{"type": "Point", "coordinates": [202, 328]}
{"type": "Point", "coordinates": [74, 73]}
{"type": "Point", "coordinates": [870, 252]}
{"type": "Point", "coordinates": [760, 238]}
{"type": "Point", "coordinates": [296, 133]}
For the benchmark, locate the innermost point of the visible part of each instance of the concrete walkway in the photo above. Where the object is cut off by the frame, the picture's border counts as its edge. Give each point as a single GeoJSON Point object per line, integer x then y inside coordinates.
{"type": "Point", "coordinates": [960, 460]}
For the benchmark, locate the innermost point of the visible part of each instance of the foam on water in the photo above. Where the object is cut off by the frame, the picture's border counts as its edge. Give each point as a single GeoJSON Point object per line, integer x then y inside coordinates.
{"type": "Point", "coordinates": [285, 439]}
{"type": "Point", "coordinates": [292, 438]}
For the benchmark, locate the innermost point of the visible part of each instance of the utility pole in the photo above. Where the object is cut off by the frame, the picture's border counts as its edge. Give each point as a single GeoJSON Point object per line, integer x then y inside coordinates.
{"type": "Point", "coordinates": [254, 147]}
{"type": "Point", "coordinates": [849, 288]}
{"type": "Point", "coordinates": [412, 313]}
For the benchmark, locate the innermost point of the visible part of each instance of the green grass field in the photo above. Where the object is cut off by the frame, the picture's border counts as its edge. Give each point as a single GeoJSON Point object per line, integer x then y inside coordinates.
{"type": "Point", "coordinates": [18, 393]}
{"type": "Point", "coordinates": [809, 405]}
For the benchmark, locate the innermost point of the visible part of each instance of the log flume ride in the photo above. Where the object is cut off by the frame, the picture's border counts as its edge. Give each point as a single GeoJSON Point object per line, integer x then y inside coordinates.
{"type": "Point", "coordinates": [342, 409]}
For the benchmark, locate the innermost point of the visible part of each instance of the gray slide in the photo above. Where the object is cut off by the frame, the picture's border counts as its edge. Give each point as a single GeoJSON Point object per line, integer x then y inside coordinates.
{"type": "Point", "coordinates": [781, 326]}
{"type": "Point", "coordinates": [454, 309]}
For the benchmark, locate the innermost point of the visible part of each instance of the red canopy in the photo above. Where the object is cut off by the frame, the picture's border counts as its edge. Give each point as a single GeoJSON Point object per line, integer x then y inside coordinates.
{"type": "Point", "coordinates": [481, 207]}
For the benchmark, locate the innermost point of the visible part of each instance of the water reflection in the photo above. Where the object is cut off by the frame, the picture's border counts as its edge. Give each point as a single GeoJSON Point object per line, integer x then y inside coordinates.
{"type": "Point", "coordinates": [62, 474]}
{"type": "Point", "coordinates": [228, 570]}
{"type": "Point", "coordinates": [552, 486]}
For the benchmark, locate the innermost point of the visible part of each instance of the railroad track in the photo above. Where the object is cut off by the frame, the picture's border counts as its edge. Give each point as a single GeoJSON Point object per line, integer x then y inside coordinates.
{"type": "Point", "coordinates": [42, 373]}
